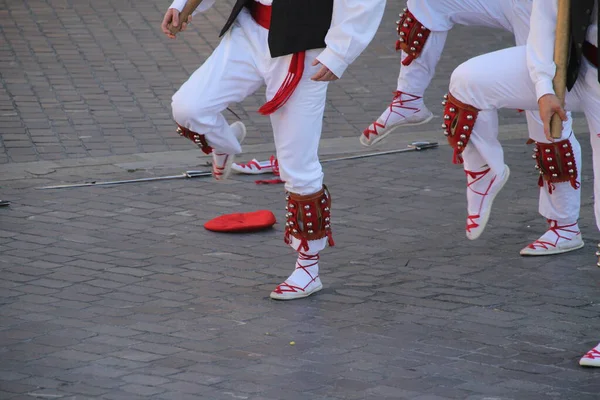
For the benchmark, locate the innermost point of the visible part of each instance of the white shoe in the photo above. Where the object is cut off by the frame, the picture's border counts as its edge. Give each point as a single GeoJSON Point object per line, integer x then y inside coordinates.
{"type": "Point", "coordinates": [303, 282]}
{"type": "Point", "coordinates": [591, 358]}
{"type": "Point", "coordinates": [482, 188]}
{"type": "Point", "coordinates": [399, 113]}
{"type": "Point", "coordinates": [556, 240]}
{"type": "Point", "coordinates": [221, 164]}
{"type": "Point", "coordinates": [254, 167]}
{"type": "Point", "coordinates": [289, 291]}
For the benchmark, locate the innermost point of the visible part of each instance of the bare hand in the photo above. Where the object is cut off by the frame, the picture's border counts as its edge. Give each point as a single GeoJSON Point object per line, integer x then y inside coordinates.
{"type": "Point", "coordinates": [549, 105]}
{"type": "Point", "coordinates": [171, 19]}
{"type": "Point", "coordinates": [324, 74]}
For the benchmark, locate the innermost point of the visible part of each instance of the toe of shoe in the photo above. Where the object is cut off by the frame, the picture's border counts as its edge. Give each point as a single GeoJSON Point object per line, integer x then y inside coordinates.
{"type": "Point", "coordinates": [587, 362]}
{"type": "Point", "coordinates": [278, 295]}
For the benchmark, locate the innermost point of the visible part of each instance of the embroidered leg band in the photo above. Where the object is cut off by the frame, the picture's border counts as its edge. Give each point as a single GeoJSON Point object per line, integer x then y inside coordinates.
{"type": "Point", "coordinates": [556, 163]}
{"type": "Point", "coordinates": [308, 218]}
{"type": "Point", "coordinates": [197, 138]}
{"type": "Point", "coordinates": [412, 36]}
{"type": "Point", "coordinates": [459, 119]}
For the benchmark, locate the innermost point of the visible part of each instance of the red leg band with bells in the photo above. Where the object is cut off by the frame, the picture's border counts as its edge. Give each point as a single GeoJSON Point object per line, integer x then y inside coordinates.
{"type": "Point", "coordinates": [412, 36]}
{"type": "Point", "coordinates": [308, 218]}
{"type": "Point", "coordinates": [556, 163]}
{"type": "Point", "coordinates": [459, 119]}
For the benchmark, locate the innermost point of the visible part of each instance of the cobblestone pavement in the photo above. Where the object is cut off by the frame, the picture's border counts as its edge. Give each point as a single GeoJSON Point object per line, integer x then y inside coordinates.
{"type": "Point", "coordinates": [117, 292]}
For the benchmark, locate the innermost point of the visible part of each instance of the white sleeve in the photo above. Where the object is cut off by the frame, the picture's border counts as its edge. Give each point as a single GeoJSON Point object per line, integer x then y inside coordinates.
{"type": "Point", "coordinates": [353, 25]}
{"type": "Point", "coordinates": [540, 45]}
{"type": "Point", "coordinates": [204, 5]}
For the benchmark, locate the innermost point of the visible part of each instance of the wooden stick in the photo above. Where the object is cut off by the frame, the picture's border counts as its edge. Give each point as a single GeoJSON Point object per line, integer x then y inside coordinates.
{"type": "Point", "coordinates": [188, 9]}
{"type": "Point", "coordinates": [561, 55]}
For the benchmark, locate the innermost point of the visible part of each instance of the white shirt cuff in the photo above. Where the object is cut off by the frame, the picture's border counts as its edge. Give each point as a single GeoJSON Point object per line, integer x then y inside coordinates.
{"type": "Point", "coordinates": [332, 61]}
{"type": "Point", "coordinates": [178, 4]}
{"type": "Point", "coordinates": [543, 87]}
{"type": "Point", "coordinates": [204, 5]}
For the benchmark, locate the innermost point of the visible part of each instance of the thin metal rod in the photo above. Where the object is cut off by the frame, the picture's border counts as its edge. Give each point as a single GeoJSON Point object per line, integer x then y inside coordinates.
{"type": "Point", "coordinates": [412, 147]}
{"type": "Point", "coordinates": [415, 146]}
{"type": "Point", "coordinates": [187, 174]}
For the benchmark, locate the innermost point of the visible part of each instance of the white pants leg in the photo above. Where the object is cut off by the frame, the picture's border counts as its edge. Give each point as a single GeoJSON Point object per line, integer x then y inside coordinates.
{"type": "Point", "coordinates": [587, 92]}
{"type": "Point", "coordinates": [228, 76]}
{"type": "Point", "coordinates": [501, 80]}
{"type": "Point", "coordinates": [415, 77]}
{"type": "Point", "coordinates": [297, 127]}
{"type": "Point", "coordinates": [440, 16]}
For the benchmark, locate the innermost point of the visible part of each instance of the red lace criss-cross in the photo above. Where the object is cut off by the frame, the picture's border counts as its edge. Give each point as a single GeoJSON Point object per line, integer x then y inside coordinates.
{"type": "Point", "coordinates": [477, 176]}
{"type": "Point", "coordinates": [286, 287]}
{"type": "Point", "coordinates": [219, 170]}
{"type": "Point", "coordinates": [592, 354]}
{"type": "Point", "coordinates": [398, 103]}
{"type": "Point", "coordinates": [554, 227]}
{"type": "Point", "coordinates": [250, 165]}
{"type": "Point", "coordinates": [275, 169]}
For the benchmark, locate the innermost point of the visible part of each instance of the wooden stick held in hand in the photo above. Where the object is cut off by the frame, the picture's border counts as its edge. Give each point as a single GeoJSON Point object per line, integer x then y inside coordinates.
{"type": "Point", "coordinates": [561, 55]}
{"type": "Point", "coordinates": [188, 9]}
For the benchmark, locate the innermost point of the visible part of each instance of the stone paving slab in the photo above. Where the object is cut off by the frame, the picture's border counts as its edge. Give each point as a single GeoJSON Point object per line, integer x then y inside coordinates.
{"type": "Point", "coordinates": [118, 292]}
{"type": "Point", "coordinates": [82, 78]}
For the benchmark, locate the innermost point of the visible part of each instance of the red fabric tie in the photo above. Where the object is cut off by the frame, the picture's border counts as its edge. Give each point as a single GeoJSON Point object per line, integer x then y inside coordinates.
{"type": "Point", "coordinates": [262, 16]}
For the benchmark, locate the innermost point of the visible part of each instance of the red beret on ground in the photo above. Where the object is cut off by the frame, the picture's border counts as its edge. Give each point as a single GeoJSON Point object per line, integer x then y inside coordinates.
{"type": "Point", "coordinates": [242, 222]}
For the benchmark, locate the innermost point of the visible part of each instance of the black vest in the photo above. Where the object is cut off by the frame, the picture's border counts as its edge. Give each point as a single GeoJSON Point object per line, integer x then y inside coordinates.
{"type": "Point", "coordinates": [295, 25]}
{"type": "Point", "coordinates": [581, 17]}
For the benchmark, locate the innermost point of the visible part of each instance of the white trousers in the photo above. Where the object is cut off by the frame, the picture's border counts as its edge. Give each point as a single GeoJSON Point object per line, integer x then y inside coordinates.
{"type": "Point", "coordinates": [512, 15]}
{"type": "Point", "coordinates": [501, 80]}
{"type": "Point", "coordinates": [441, 15]}
{"type": "Point", "coordinates": [237, 68]}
